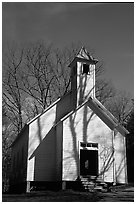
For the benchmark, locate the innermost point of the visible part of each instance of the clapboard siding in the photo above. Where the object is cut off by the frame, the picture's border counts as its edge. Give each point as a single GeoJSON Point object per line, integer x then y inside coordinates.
{"type": "Point", "coordinates": [45, 158]}
{"type": "Point", "coordinates": [85, 83]}
{"type": "Point", "coordinates": [19, 159]}
{"type": "Point", "coordinates": [43, 146]}
{"type": "Point", "coordinates": [85, 126]}
{"type": "Point", "coordinates": [39, 131]}
{"type": "Point", "coordinates": [120, 158]}
{"type": "Point", "coordinates": [59, 137]}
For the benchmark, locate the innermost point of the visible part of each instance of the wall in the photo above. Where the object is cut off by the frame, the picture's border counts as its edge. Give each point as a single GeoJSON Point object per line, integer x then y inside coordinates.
{"type": "Point", "coordinates": [45, 158]}
{"type": "Point", "coordinates": [85, 126]}
{"type": "Point", "coordinates": [85, 83]}
{"type": "Point", "coordinates": [120, 158]}
{"type": "Point", "coordinates": [41, 152]}
{"type": "Point", "coordinates": [19, 158]}
{"type": "Point", "coordinates": [45, 143]}
{"type": "Point", "coordinates": [64, 106]}
{"type": "Point", "coordinates": [59, 137]}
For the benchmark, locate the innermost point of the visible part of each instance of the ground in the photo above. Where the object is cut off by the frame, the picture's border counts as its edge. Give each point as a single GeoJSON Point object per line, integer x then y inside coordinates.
{"type": "Point", "coordinates": [125, 194]}
{"type": "Point", "coordinates": [119, 195]}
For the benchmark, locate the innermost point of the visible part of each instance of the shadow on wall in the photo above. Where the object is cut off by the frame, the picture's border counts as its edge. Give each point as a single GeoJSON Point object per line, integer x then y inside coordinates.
{"type": "Point", "coordinates": [19, 164]}
{"type": "Point", "coordinates": [72, 153]}
{"type": "Point", "coordinates": [120, 168]}
{"type": "Point", "coordinates": [45, 155]}
{"type": "Point", "coordinates": [106, 154]}
{"type": "Point", "coordinates": [45, 158]}
{"type": "Point", "coordinates": [84, 94]}
{"type": "Point", "coordinates": [81, 96]}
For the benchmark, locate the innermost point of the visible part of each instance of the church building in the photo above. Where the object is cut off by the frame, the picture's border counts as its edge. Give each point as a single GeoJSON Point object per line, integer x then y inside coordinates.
{"type": "Point", "coordinates": [74, 139]}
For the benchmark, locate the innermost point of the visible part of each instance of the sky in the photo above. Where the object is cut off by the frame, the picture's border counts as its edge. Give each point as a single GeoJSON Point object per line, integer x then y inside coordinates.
{"type": "Point", "coordinates": [107, 28]}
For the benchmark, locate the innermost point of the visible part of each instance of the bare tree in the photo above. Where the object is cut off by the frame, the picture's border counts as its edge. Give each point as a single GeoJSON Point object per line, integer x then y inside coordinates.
{"type": "Point", "coordinates": [104, 90]}
{"type": "Point", "coordinates": [6, 142]}
{"type": "Point", "coordinates": [37, 75]}
{"type": "Point", "coordinates": [120, 106]}
{"type": "Point", "coordinates": [130, 146]}
{"type": "Point", "coordinates": [37, 82]}
{"type": "Point", "coordinates": [12, 94]}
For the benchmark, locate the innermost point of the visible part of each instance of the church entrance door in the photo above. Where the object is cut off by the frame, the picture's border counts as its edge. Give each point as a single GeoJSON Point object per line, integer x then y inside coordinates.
{"type": "Point", "coordinates": [88, 162]}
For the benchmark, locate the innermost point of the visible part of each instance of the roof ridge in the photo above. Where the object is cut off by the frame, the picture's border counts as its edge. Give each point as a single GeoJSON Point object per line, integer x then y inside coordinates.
{"type": "Point", "coordinates": [70, 113]}
{"type": "Point", "coordinates": [50, 106]}
{"type": "Point", "coordinates": [109, 115]}
{"type": "Point", "coordinates": [105, 109]}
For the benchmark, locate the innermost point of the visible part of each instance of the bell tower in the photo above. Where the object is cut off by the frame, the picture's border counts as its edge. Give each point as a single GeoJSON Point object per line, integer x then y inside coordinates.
{"type": "Point", "coordinates": [82, 77]}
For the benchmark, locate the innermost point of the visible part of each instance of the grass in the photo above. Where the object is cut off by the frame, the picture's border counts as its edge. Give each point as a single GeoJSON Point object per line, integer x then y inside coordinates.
{"type": "Point", "coordinates": [51, 196]}
{"type": "Point", "coordinates": [120, 194]}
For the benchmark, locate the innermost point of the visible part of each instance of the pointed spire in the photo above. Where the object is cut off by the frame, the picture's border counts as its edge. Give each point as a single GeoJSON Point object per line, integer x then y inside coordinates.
{"type": "Point", "coordinates": [84, 56]}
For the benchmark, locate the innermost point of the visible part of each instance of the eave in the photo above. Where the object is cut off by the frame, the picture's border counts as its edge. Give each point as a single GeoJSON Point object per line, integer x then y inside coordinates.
{"type": "Point", "coordinates": [90, 61]}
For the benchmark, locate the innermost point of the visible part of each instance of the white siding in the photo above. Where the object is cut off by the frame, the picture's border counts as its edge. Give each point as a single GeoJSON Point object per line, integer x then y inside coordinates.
{"type": "Point", "coordinates": [120, 159]}
{"type": "Point", "coordinates": [59, 137]}
{"type": "Point", "coordinates": [85, 83]}
{"type": "Point", "coordinates": [45, 158]}
{"type": "Point", "coordinates": [84, 126]}
{"type": "Point", "coordinates": [19, 158]}
{"type": "Point", "coordinates": [39, 132]}
{"type": "Point", "coordinates": [43, 145]}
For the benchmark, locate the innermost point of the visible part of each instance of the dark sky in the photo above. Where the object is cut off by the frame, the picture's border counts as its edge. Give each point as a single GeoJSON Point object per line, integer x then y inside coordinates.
{"type": "Point", "coordinates": [107, 28]}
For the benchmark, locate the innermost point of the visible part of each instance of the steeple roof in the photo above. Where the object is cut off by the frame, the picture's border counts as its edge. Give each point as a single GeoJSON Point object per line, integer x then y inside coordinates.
{"type": "Point", "coordinates": [83, 56]}
{"type": "Point", "coordinates": [83, 53]}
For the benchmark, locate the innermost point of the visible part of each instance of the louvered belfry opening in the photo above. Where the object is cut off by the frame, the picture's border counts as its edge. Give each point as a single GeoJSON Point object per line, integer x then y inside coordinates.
{"type": "Point", "coordinates": [85, 68]}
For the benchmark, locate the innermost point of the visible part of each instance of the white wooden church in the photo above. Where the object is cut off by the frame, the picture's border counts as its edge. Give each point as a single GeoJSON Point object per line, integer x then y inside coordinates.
{"type": "Point", "coordinates": [73, 138]}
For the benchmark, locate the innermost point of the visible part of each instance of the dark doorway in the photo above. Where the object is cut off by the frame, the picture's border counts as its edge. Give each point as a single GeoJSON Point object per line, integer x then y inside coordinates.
{"type": "Point", "coordinates": [89, 162]}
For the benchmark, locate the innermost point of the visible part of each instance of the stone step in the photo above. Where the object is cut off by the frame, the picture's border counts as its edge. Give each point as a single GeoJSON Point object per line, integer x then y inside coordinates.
{"type": "Point", "coordinates": [98, 187]}
{"type": "Point", "coordinates": [90, 183]}
{"type": "Point", "coordinates": [89, 186]}
{"type": "Point", "coordinates": [87, 183]}
{"type": "Point", "coordinates": [91, 179]}
{"type": "Point", "coordinates": [84, 179]}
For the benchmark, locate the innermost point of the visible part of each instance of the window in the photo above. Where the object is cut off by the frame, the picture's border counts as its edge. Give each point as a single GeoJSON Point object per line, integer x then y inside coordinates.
{"type": "Point", "coordinates": [85, 68]}
{"type": "Point", "coordinates": [89, 144]}
{"type": "Point", "coordinates": [94, 145]}
{"type": "Point", "coordinates": [83, 144]}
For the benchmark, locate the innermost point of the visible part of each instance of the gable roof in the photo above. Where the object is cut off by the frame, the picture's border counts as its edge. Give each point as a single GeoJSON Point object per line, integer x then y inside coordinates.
{"type": "Point", "coordinates": [70, 113]}
{"type": "Point", "coordinates": [94, 102]}
{"type": "Point", "coordinates": [48, 108]}
{"type": "Point", "coordinates": [101, 112]}
{"type": "Point", "coordinates": [29, 122]}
